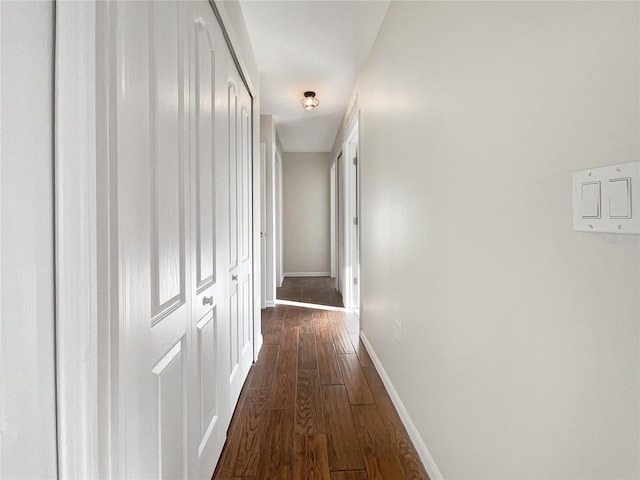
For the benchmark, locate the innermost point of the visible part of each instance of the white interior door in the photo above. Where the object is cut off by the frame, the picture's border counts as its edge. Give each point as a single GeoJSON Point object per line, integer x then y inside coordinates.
{"type": "Point", "coordinates": [155, 277]}
{"type": "Point", "coordinates": [181, 145]}
{"type": "Point", "coordinates": [210, 410]}
{"type": "Point", "coordinates": [240, 264]}
{"type": "Point", "coordinates": [263, 225]}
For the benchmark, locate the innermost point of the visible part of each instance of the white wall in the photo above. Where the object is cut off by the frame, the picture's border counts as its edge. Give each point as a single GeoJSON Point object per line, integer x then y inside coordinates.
{"type": "Point", "coordinates": [520, 343]}
{"type": "Point", "coordinates": [306, 213]}
{"type": "Point", "coordinates": [27, 362]}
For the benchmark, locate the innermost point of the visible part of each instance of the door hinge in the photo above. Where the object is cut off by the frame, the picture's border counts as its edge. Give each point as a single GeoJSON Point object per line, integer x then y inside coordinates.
{"type": "Point", "coordinates": [355, 160]}
{"type": "Point", "coordinates": [355, 221]}
{"type": "Point", "coordinates": [355, 280]}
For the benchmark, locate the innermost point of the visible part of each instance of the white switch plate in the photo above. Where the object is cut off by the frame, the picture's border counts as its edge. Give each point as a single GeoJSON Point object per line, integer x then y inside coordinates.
{"type": "Point", "coordinates": [606, 199]}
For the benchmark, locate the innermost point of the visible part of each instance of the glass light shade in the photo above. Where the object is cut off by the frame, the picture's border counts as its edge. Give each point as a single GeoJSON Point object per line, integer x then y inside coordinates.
{"type": "Point", "coordinates": [309, 102]}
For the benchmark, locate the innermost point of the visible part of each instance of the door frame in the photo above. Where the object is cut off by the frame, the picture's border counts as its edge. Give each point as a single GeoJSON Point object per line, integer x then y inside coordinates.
{"type": "Point", "coordinates": [81, 150]}
{"type": "Point", "coordinates": [339, 224]}
{"type": "Point", "coordinates": [333, 189]}
{"type": "Point", "coordinates": [351, 208]}
{"type": "Point", "coordinates": [279, 219]}
{"type": "Point", "coordinates": [87, 323]}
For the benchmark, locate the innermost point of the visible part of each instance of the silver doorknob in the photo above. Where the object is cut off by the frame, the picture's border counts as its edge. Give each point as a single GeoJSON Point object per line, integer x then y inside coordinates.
{"type": "Point", "coordinates": [234, 277]}
{"type": "Point", "coordinates": [207, 300]}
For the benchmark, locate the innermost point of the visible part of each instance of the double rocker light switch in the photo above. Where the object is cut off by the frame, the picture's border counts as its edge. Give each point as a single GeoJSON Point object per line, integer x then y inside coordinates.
{"type": "Point", "coordinates": [604, 199]}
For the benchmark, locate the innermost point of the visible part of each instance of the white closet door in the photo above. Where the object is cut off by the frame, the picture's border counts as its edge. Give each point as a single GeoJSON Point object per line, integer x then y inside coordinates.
{"type": "Point", "coordinates": [210, 407]}
{"type": "Point", "coordinates": [240, 231]}
{"type": "Point", "coordinates": [155, 278]}
{"type": "Point", "coordinates": [181, 143]}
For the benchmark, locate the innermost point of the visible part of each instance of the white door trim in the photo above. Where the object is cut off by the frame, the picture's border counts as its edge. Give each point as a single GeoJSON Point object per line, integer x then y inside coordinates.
{"type": "Point", "coordinates": [221, 11]}
{"type": "Point", "coordinates": [332, 220]}
{"type": "Point", "coordinates": [278, 216]}
{"type": "Point", "coordinates": [27, 306]}
{"type": "Point", "coordinates": [351, 210]}
{"type": "Point", "coordinates": [76, 159]}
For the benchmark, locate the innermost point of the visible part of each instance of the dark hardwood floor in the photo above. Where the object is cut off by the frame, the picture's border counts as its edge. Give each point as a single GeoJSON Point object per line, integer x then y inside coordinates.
{"type": "Point", "coordinates": [313, 406]}
{"type": "Point", "coordinates": [318, 290]}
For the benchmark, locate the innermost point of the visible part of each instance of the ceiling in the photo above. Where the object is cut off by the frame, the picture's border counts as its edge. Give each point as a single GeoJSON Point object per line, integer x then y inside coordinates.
{"type": "Point", "coordinates": [310, 45]}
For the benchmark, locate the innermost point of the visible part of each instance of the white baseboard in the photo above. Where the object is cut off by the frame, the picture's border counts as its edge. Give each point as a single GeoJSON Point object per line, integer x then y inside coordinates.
{"type": "Point", "coordinates": [306, 274]}
{"type": "Point", "coordinates": [418, 443]}
{"type": "Point", "coordinates": [269, 304]}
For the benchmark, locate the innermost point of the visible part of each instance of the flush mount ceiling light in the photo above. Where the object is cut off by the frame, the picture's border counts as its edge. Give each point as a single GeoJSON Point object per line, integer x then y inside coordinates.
{"type": "Point", "coordinates": [309, 102]}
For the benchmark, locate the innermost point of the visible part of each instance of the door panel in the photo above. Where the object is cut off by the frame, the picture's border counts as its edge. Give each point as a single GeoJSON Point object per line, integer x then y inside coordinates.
{"type": "Point", "coordinates": [233, 318]}
{"type": "Point", "coordinates": [169, 374]}
{"type": "Point", "coordinates": [234, 303]}
{"type": "Point", "coordinates": [232, 125]}
{"type": "Point", "coordinates": [203, 64]}
{"type": "Point", "coordinates": [247, 339]}
{"type": "Point", "coordinates": [209, 391]}
{"type": "Point", "coordinates": [245, 184]}
{"type": "Point", "coordinates": [168, 164]}
{"type": "Point", "coordinates": [206, 351]}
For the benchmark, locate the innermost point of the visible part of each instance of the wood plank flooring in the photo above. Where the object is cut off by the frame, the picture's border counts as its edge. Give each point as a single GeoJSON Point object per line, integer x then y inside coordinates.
{"type": "Point", "coordinates": [318, 290]}
{"type": "Point", "coordinates": [313, 406]}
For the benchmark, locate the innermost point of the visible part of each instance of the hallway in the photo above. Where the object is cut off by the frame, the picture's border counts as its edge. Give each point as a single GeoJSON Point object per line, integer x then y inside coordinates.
{"type": "Point", "coordinates": [179, 181]}
{"type": "Point", "coordinates": [313, 406]}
